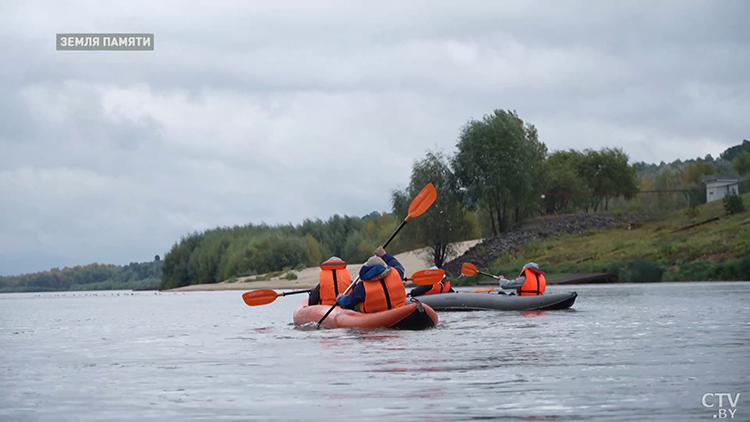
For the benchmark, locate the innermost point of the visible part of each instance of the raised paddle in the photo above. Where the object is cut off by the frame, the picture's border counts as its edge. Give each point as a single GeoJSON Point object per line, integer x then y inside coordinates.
{"type": "Point", "coordinates": [470, 269]}
{"type": "Point", "coordinates": [418, 206]}
{"type": "Point", "coordinates": [266, 296]}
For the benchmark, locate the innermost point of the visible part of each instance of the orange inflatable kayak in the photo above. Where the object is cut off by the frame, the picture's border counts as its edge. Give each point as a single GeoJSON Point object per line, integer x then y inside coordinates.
{"type": "Point", "coordinates": [412, 316]}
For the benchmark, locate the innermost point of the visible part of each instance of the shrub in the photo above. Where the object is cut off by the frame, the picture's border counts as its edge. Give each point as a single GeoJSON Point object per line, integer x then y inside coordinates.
{"type": "Point", "coordinates": [692, 212]}
{"type": "Point", "coordinates": [733, 204]}
{"type": "Point", "coordinates": [290, 276]}
{"type": "Point", "coordinates": [642, 270]}
{"type": "Point", "coordinates": [665, 248]}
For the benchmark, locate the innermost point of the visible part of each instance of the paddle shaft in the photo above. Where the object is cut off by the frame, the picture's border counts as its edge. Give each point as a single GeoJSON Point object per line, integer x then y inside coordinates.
{"type": "Point", "coordinates": [490, 275]}
{"type": "Point", "coordinates": [398, 229]}
{"type": "Point", "coordinates": [357, 280]}
{"type": "Point", "coordinates": [296, 292]}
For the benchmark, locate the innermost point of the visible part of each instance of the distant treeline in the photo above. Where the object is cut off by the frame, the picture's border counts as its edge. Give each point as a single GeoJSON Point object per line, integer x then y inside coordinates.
{"type": "Point", "coordinates": [222, 253]}
{"type": "Point", "coordinates": [87, 277]}
{"type": "Point", "coordinates": [687, 177]}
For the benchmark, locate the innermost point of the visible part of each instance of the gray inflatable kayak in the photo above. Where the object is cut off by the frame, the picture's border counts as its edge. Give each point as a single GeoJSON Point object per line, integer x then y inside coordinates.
{"type": "Point", "coordinates": [465, 301]}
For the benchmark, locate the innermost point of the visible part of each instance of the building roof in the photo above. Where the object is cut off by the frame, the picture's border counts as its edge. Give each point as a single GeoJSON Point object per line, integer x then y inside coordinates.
{"type": "Point", "coordinates": [721, 179]}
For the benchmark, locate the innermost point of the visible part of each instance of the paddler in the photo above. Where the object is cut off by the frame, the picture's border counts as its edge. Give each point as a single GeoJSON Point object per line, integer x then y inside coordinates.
{"type": "Point", "coordinates": [530, 281]}
{"type": "Point", "coordinates": [381, 288]}
{"type": "Point", "coordinates": [444, 286]}
{"type": "Point", "coordinates": [333, 280]}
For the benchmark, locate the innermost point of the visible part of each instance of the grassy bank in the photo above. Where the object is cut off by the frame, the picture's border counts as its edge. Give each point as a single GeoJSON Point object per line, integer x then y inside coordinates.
{"type": "Point", "coordinates": [653, 251]}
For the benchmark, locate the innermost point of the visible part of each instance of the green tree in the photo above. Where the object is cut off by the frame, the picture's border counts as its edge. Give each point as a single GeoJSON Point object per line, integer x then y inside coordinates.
{"type": "Point", "coordinates": [741, 163]}
{"type": "Point", "coordinates": [445, 222]}
{"type": "Point", "coordinates": [314, 251]}
{"type": "Point", "coordinates": [730, 153]}
{"type": "Point", "coordinates": [668, 180]}
{"type": "Point", "coordinates": [608, 174]}
{"type": "Point", "coordinates": [358, 248]}
{"type": "Point", "coordinates": [692, 181]}
{"type": "Point", "coordinates": [563, 181]}
{"type": "Point", "coordinates": [530, 203]}
{"type": "Point", "coordinates": [495, 165]}
{"type": "Point", "coordinates": [696, 172]}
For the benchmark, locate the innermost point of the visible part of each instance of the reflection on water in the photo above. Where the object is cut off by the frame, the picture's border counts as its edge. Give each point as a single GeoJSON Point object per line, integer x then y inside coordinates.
{"type": "Point", "coordinates": [624, 352]}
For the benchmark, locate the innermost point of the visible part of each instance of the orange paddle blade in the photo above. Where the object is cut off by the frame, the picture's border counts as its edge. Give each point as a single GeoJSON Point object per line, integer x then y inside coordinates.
{"type": "Point", "coordinates": [260, 297]}
{"type": "Point", "coordinates": [422, 201]}
{"type": "Point", "coordinates": [482, 290]}
{"type": "Point", "coordinates": [469, 269]}
{"type": "Point", "coordinates": [427, 277]}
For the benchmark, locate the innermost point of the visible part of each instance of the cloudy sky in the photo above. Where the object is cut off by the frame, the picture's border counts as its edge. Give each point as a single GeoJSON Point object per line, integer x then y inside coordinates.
{"type": "Point", "coordinates": [274, 111]}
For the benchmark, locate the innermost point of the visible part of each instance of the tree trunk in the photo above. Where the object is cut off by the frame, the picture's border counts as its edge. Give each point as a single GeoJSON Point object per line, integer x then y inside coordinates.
{"type": "Point", "coordinates": [492, 220]}
{"type": "Point", "coordinates": [501, 218]}
{"type": "Point", "coordinates": [438, 255]}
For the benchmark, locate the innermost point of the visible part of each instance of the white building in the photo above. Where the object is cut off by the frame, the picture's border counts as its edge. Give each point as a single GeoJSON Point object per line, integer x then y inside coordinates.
{"type": "Point", "coordinates": [719, 187]}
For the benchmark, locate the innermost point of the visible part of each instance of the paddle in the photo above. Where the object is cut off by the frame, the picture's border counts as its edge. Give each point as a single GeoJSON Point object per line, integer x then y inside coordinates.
{"type": "Point", "coordinates": [426, 277]}
{"type": "Point", "coordinates": [471, 269]}
{"type": "Point", "coordinates": [483, 290]}
{"type": "Point", "coordinates": [266, 296]}
{"type": "Point", "coordinates": [418, 206]}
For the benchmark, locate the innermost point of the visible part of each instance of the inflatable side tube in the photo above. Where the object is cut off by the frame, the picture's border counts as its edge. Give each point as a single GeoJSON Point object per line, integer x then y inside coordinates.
{"type": "Point", "coordinates": [462, 301]}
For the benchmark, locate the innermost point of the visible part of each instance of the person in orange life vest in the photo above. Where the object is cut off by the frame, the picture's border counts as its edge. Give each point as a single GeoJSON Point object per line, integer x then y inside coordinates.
{"type": "Point", "coordinates": [444, 286]}
{"type": "Point", "coordinates": [333, 279]}
{"type": "Point", "coordinates": [382, 285]}
{"type": "Point", "coordinates": [530, 281]}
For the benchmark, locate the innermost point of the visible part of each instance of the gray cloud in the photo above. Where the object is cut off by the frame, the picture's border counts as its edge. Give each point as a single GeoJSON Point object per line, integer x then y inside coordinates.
{"type": "Point", "coordinates": [278, 111]}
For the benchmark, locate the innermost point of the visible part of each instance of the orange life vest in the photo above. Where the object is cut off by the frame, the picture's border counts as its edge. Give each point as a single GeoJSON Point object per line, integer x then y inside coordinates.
{"type": "Point", "coordinates": [535, 284]}
{"type": "Point", "coordinates": [334, 279]}
{"type": "Point", "coordinates": [441, 287]}
{"type": "Point", "coordinates": [384, 293]}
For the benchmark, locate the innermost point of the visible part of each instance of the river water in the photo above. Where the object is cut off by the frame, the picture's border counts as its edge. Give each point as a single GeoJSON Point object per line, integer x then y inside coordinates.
{"type": "Point", "coordinates": [625, 352]}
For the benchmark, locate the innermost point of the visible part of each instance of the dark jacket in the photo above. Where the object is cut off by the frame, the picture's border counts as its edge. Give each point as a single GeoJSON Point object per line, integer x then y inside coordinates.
{"type": "Point", "coordinates": [421, 290]}
{"type": "Point", "coordinates": [357, 293]}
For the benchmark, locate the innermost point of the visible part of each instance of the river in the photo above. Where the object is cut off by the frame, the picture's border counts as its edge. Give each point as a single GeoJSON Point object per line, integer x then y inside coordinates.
{"type": "Point", "coordinates": [624, 352]}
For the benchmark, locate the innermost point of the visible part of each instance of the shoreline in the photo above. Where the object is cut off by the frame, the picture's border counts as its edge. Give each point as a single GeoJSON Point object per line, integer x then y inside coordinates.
{"type": "Point", "coordinates": [412, 261]}
{"type": "Point", "coordinates": [309, 284]}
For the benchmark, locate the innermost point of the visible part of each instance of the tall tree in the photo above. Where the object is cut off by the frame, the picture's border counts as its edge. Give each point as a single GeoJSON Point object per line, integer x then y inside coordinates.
{"type": "Point", "coordinates": [692, 180]}
{"type": "Point", "coordinates": [667, 180]}
{"type": "Point", "coordinates": [446, 221]}
{"type": "Point", "coordinates": [696, 172]}
{"type": "Point", "coordinates": [741, 163]}
{"type": "Point", "coordinates": [608, 175]}
{"type": "Point", "coordinates": [563, 182]}
{"type": "Point", "coordinates": [530, 203]}
{"type": "Point", "coordinates": [732, 152]}
{"type": "Point", "coordinates": [495, 164]}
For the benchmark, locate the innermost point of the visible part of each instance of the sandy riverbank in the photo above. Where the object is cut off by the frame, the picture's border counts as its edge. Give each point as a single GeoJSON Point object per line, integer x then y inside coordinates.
{"type": "Point", "coordinates": [412, 261]}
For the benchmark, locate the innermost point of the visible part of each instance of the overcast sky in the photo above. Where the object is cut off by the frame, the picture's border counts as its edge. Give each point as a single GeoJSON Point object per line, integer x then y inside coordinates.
{"type": "Point", "coordinates": [276, 111]}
